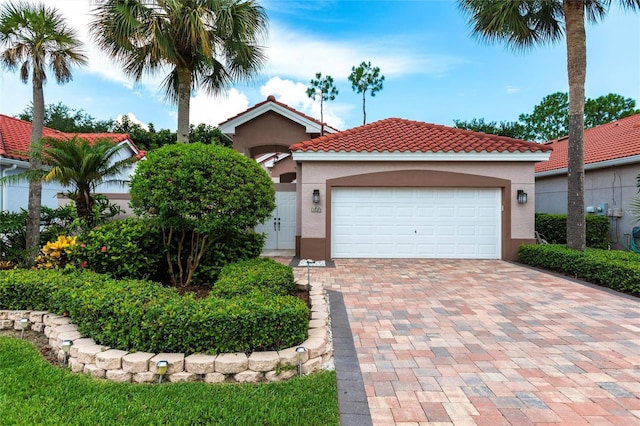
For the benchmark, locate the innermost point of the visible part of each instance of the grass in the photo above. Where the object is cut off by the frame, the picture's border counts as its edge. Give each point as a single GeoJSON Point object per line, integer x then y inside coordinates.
{"type": "Point", "coordinates": [34, 392]}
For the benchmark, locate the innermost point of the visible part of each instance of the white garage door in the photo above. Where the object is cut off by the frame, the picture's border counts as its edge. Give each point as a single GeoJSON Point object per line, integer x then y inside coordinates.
{"type": "Point", "coordinates": [416, 223]}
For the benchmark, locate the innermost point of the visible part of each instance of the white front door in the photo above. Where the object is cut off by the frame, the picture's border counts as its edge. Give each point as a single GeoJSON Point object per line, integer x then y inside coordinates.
{"type": "Point", "coordinates": [281, 226]}
{"type": "Point", "coordinates": [416, 223]}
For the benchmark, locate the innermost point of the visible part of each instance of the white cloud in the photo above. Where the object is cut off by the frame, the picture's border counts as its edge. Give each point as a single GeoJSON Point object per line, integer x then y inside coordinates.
{"type": "Point", "coordinates": [215, 110]}
{"type": "Point", "coordinates": [132, 118]}
{"type": "Point", "coordinates": [294, 95]}
{"type": "Point", "coordinates": [512, 89]}
{"type": "Point", "coordinates": [301, 56]}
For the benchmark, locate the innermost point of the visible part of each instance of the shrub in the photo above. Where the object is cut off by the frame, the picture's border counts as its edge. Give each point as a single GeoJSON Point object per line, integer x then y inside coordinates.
{"type": "Point", "coordinates": [610, 268]}
{"type": "Point", "coordinates": [264, 275]}
{"type": "Point", "coordinates": [56, 254]}
{"type": "Point", "coordinates": [553, 228]}
{"type": "Point", "coordinates": [233, 247]}
{"type": "Point", "coordinates": [199, 193]}
{"type": "Point", "coordinates": [130, 248]}
{"type": "Point", "coordinates": [53, 222]}
{"type": "Point", "coordinates": [138, 315]}
{"type": "Point", "coordinates": [29, 289]}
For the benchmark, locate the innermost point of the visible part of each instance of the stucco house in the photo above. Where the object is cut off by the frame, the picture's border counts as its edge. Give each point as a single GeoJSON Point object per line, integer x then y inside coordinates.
{"type": "Point", "coordinates": [394, 188]}
{"type": "Point", "coordinates": [612, 164]}
{"type": "Point", "coordinates": [14, 147]}
{"type": "Point", "coordinates": [262, 131]}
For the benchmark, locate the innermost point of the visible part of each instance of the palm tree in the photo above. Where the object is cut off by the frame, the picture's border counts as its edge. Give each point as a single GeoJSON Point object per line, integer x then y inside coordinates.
{"type": "Point", "coordinates": [525, 23]}
{"type": "Point", "coordinates": [206, 43]}
{"type": "Point", "coordinates": [84, 166]}
{"type": "Point", "coordinates": [80, 165]}
{"type": "Point", "coordinates": [34, 38]}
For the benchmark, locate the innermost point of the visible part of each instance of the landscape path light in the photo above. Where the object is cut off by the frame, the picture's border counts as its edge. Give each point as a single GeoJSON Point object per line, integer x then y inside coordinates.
{"type": "Point", "coordinates": [300, 350]}
{"type": "Point", "coordinates": [23, 325]}
{"type": "Point", "coordinates": [66, 345]}
{"type": "Point", "coordinates": [162, 367]}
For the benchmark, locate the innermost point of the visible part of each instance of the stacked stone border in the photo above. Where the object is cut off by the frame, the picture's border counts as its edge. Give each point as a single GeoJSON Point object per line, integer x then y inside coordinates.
{"type": "Point", "coordinates": [88, 357]}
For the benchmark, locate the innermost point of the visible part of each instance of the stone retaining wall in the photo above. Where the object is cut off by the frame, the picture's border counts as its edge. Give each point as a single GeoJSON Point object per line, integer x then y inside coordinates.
{"type": "Point", "coordinates": [88, 357]}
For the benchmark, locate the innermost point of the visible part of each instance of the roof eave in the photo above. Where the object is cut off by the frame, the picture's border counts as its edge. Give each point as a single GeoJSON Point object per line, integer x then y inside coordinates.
{"type": "Point", "coordinates": [593, 166]}
{"type": "Point", "coordinates": [527, 156]}
{"type": "Point", "coordinates": [229, 128]}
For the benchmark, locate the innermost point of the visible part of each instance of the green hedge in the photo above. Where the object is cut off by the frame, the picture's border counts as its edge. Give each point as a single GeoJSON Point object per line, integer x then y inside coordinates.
{"type": "Point", "coordinates": [615, 269]}
{"type": "Point", "coordinates": [263, 274]}
{"type": "Point", "coordinates": [137, 315]}
{"type": "Point", "coordinates": [553, 228]}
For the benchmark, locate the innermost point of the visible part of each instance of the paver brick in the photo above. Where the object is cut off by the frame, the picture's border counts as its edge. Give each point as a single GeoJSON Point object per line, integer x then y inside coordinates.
{"type": "Point", "coordinates": [518, 345]}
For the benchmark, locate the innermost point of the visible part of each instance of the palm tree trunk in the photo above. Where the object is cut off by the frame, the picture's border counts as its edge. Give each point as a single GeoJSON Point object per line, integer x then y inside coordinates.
{"type": "Point", "coordinates": [576, 70]}
{"type": "Point", "coordinates": [34, 205]}
{"type": "Point", "coordinates": [184, 98]}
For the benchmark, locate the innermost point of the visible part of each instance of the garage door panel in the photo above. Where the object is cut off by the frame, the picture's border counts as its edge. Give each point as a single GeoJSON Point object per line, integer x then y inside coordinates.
{"type": "Point", "coordinates": [416, 222]}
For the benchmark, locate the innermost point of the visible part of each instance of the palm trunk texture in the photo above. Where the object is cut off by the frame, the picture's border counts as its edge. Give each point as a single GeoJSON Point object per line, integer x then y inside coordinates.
{"type": "Point", "coordinates": [184, 95]}
{"type": "Point", "coordinates": [576, 67]}
{"type": "Point", "coordinates": [35, 163]}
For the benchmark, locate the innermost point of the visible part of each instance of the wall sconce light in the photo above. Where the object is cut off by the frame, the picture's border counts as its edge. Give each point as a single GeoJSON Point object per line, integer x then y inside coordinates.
{"type": "Point", "coordinates": [66, 345]}
{"type": "Point", "coordinates": [522, 197]}
{"type": "Point", "coordinates": [300, 350]}
{"type": "Point", "coordinates": [162, 367]}
{"type": "Point", "coordinates": [23, 325]}
{"type": "Point", "coordinates": [316, 196]}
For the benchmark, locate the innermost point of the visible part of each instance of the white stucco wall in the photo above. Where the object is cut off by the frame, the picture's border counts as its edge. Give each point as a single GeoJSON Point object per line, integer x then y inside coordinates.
{"type": "Point", "coordinates": [615, 186]}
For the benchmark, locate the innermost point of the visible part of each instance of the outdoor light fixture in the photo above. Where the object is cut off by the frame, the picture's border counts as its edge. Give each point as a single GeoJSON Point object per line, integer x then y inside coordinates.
{"type": "Point", "coordinates": [162, 367]}
{"type": "Point", "coordinates": [522, 197]}
{"type": "Point", "coordinates": [316, 196]}
{"type": "Point", "coordinates": [66, 345]}
{"type": "Point", "coordinates": [23, 325]}
{"type": "Point", "coordinates": [300, 350]}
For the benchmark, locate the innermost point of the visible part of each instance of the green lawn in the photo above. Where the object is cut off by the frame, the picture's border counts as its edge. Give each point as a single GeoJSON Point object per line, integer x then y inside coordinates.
{"type": "Point", "coordinates": [33, 392]}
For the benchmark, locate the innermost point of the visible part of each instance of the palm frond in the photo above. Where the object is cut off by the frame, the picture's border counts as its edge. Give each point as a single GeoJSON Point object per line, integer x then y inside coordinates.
{"type": "Point", "coordinates": [522, 24]}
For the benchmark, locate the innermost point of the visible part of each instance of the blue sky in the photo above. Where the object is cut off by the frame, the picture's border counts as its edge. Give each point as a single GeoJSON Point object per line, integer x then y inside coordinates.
{"type": "Point", "coordinates": [435, 70]}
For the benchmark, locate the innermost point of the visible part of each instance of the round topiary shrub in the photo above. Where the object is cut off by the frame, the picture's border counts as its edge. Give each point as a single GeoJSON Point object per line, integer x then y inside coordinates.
{"type": "Point", "coordinates": [199, 193]}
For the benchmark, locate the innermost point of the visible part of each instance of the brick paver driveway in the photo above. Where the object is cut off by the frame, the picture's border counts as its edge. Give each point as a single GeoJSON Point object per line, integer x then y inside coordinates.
{"type": "Point", "coordinates": [488, 342]}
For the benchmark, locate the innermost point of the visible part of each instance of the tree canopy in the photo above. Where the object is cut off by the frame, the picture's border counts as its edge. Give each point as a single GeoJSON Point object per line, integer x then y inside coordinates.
{"type": "Point", "coordinates": [324, 89]}
{"type": "Point", "coordinates": [68, 120]}
{"type": "Point", "coordinates": [550, 118]}
{"type": "Point", "coordinates": [363, 78]}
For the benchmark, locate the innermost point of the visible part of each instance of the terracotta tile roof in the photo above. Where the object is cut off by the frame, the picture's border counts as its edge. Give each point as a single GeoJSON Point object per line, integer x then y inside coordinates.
{"type": "Point", "coordinates": [611, 141]}
{"type": "Point", "coordinates": [272, 98]}
{"type": "Point", "coordinates": [400, 135]}
{"type": "Point", "coordinates": [15, 135]}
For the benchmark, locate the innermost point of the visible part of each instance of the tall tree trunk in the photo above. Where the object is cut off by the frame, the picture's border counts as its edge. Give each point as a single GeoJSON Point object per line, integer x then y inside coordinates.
{"type": "Point", "coordinates": [576, 70]}
{"type": "Point", "coordinates": [184, 99]}
{"type": "Point", "coordinates": [364, 111]}
{"type": "Point", "coordinates": [322, 114]}
{"type": "Point", "coordinates": [34, 205]}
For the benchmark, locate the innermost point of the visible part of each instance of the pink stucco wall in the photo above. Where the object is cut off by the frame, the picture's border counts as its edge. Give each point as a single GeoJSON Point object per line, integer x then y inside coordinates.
{"type": "Point", "coordinates": [316, 174]}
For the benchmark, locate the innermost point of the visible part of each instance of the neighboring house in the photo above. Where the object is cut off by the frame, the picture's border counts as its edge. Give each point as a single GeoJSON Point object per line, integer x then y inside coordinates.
{"type": "Point", "coordinates": [15, 135]}
{"type": "Point", "coordinates": [397, 188]}
{"type": "Point", "coordinates": [612, 164]}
